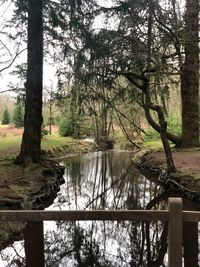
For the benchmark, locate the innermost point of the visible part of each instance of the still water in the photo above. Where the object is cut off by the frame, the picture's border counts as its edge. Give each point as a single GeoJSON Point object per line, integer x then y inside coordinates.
{"type": "Point", "coordinates": [106, 181]}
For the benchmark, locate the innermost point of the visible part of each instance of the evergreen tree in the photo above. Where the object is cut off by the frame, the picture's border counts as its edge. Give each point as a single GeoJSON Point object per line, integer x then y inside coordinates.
{"type": "Point", "coordinates": [18, 116]}
{"type": "Point", "coordinates": [31, 140]}
{"type": "Point", "coordinates": [65, 128]}
{"type": "Point", "coordinates": [6, 117]}
{"type": "Point", "coordinates": [156, 46]}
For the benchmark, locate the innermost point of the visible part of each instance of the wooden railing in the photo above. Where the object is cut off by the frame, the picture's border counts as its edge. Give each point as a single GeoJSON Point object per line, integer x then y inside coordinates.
{"type": "Point", "coordinates": [34, 239]}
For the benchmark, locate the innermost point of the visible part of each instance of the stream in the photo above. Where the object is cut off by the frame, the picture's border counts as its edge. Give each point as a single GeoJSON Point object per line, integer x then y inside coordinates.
{"type": "Point", "coordinates": [101, 180]}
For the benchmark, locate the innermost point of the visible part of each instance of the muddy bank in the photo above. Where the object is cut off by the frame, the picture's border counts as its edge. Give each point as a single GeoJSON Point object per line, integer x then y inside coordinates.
{"type": "Point", "coordinates": [33, 187]}
{"type": "Point", "coordinates": [68, 150]}
{"type": "Point", "coordinates": [184, 182]}
{"type": "Point", "coordinates": [28, 187]}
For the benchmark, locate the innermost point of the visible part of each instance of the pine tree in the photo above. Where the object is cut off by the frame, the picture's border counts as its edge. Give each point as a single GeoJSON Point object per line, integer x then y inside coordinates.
{"type": "Point", "coordinates": [18, 116]}
{"type": "Point", "coordinates": [5, 117]}
{"type": "Point", "coordinates": [31, 140]}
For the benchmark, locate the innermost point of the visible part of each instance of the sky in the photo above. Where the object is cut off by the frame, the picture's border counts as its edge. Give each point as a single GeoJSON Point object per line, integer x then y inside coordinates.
{"type": "Point", "coordinates": [49, 69]}
{"type": "Point", "coordinates": [49, 77]}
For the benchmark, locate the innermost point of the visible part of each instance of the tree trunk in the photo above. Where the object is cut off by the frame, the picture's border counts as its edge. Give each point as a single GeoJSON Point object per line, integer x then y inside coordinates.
{"type": "Point", "coordinates": [31, 141]}
{"type": "Point", "coordinates": [163, 135]}
{"type": "Point", "coordinates": [190, 77]}
{"type": "Point", "coordinates": [190, 241]}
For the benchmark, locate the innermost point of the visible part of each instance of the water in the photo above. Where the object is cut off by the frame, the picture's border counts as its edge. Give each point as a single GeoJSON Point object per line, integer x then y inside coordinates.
{"type": "Point", "coordinates": [101, 180]}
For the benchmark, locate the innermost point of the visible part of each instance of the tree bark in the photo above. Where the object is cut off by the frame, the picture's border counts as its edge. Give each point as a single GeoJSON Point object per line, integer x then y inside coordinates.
{"type": "Point", "coordinates": [143, 86]}
{"type": "Point", "coordinates": [34, 244]}
{"type": "Point", "coordinates": [190, 241]}
{"type": "Point", "coordinates": [31, 140]}
{"type": "Point", "coordinates": [190, 77]}
{"type": "Point", "coordinates": [163, 135]}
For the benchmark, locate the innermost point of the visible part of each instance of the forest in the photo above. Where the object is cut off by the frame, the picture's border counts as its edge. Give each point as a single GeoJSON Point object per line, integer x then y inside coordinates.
{"type": "Point", "coordinates": [94, 75]}
{"type": "Point", "coordinates": [118, 66]}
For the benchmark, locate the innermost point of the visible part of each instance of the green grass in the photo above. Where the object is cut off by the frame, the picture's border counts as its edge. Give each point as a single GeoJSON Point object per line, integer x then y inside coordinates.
{"type": "Point", "coordinates": [10, 142]}
{"type": "Point", "coordinates": [153, 144]}
{"type": "Point", "coordinates": [10, 145]}
{"type": "Point", "coordinates": [51, 141]}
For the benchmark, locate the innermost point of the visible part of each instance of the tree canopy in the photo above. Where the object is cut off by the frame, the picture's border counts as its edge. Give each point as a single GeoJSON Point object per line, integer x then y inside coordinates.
{"type": "Point", "coordinates": [113, 61]}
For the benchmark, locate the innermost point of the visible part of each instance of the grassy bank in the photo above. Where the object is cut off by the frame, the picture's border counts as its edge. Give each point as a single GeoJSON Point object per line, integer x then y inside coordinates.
{"type": "Point", "coordinates": [152, 144]}
{"type": "Point", "coordinates": [10, 145]}
{"type": "Point", "coordinates": [10, 141]}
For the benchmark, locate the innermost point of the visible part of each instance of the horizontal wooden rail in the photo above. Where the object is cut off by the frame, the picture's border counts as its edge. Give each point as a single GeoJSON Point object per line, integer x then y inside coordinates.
{"type": "Point", "coordinates": [100, 215]}
{"type": "Point", "coordinates": [74, 215]}
{"type": "Point", "coordinates": [191, 216]}
{"type": "Point", "coordinates": [174, 215]}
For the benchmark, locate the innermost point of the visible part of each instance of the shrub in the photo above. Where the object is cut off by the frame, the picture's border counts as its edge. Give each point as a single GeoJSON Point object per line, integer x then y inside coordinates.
{"type": "Point", "coordinates": [57, 120]}
{"type": "Point", "coordinates": [173, 125]}
{"type": "Point", "coordinates": [18, 117]}
{"type": "Point", "coordinates": [44, 131]}
{"type": "Point", "coordinates": [151, 135]}
{"type": "Point", "coordinates": [65, 128]}
{"type": "Point", "coordinates": [5, 117]}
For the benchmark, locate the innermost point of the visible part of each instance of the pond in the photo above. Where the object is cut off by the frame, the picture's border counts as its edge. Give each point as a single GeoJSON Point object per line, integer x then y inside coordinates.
{"type": "Point", "coordinates": [106, 181]}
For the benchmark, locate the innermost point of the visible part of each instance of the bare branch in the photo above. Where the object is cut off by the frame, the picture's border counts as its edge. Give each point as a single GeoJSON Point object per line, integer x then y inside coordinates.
{"type": "Point", "coordinates": [13, 60]}
{"type": "Point", "coordinates": [9, 90]}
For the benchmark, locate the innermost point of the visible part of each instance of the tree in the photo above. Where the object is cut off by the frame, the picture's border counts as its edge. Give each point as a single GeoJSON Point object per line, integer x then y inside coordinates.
{"type": "Point", "coordinates": [18, 115]}
{"type": "Point", "coordinates": [31, 140]}
{"type": "Point", "coordinates": [190, 76]}
{"type": "Point", "coordinates": [11, 47]}
{"type": "Point", "coordinates": [5, 117]}
{"type": "Point", "coordinates": [65, 128]}
{"type": "Point", "coordinates": [158, 47]}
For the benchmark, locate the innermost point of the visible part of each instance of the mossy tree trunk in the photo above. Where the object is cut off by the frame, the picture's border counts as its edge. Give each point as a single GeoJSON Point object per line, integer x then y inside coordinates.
{"type": "Point", "coordinates": [190, 77]}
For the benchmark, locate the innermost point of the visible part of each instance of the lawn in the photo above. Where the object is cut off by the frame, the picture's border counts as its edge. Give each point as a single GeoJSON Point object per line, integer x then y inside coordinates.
{"type": "Point", "coordinates": [10, 141]}
{"type": "Point", "coordinates": [55, 140]}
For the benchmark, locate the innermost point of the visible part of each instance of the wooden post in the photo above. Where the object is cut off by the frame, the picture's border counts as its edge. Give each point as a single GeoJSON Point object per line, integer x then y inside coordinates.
{"type": "Point", "coordinates": [34, 244]}
{"type": "Point", "coordinates": [175, 234]}
{"type": "Point", "coordinates": [190, 243]}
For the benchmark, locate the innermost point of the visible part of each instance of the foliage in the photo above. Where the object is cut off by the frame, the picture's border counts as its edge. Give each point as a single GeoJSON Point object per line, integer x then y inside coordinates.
{"type": "Point", "coordinates": [44, 131]}
{"type": "Point", "coordinates": [153, 144]}
{"type": "Point", "coordinates": [57, 120]}
{"type": "Point", "coordinates": [174, 123]}
{"type": "Point", "coordinates": [6, 117]}
{"type": "Point", "coordinates": [147, 41]}
{"type": "Point", "coordinates": [65, 128]}
{"type": "Point", "coordinates": [81, 126]}
{"type": "Point", "coordinates": [18, 115]}
{"type": "Point", "coordinates": [151, 135]}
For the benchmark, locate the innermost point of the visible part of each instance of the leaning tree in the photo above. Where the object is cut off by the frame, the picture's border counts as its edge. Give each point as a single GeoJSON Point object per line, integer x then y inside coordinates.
{"type": "Point", "coordinates": [178, 56]}
{"type": "Point", "coordinates": [153, 43]}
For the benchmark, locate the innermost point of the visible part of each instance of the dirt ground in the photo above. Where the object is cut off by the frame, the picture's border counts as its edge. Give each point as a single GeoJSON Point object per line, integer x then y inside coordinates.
{"type": "Point", "coordinates": [10, 130]}
{"type": "Point", "coordinates": [187, 160]}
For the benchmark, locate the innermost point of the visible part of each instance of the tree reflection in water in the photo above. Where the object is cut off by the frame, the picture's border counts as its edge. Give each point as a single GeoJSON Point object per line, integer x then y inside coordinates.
{"type": "Point", "coordinates": [105, 180]}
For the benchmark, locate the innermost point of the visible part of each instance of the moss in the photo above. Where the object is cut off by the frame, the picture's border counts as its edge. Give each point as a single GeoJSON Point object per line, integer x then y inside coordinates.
{"type": "Point", "coordinates": [152, 145]}
{"type": "Point", "coordinates": [10, 231]}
